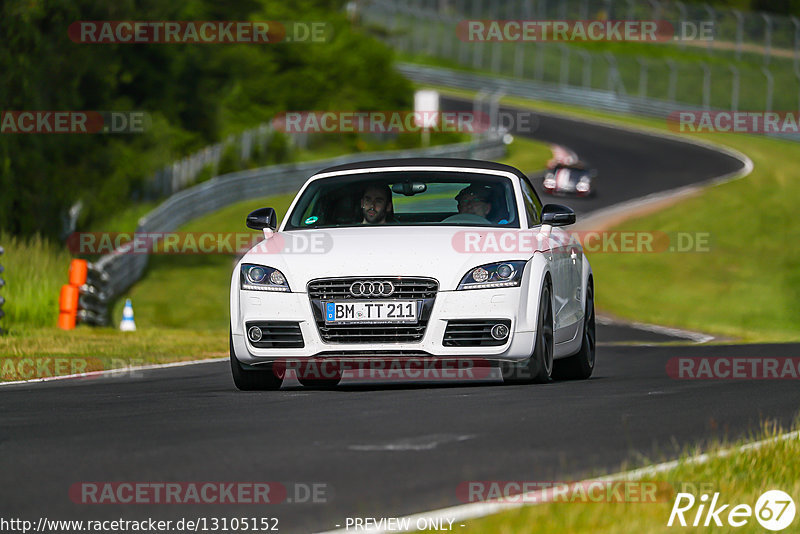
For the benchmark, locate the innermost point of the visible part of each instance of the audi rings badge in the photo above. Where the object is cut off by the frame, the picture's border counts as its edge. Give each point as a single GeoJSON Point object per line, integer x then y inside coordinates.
{"type": "Point", "coordinates": [372, 289]}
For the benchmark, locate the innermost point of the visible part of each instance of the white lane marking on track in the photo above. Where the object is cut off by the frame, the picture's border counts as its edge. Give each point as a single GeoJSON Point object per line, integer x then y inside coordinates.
{"type": "Point", "coordinates": [121, 371]}
{"type": "Point", "coordinates": [481, 509]}
{"type": "Point", "coordinates": [421, 443]}
{"type": "Point", "coordinates": [697, 337]}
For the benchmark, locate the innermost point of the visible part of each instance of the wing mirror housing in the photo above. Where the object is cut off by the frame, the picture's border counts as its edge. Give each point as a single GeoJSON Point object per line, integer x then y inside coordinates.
{"type": "Point", "coordinates": [262, 218]}
{"type": "Point", "coordinates": [557, 215]}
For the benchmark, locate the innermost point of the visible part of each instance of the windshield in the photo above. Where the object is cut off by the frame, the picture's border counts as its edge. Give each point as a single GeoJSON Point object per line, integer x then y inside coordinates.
{"type": "Point", "coordinates": [407, 198]}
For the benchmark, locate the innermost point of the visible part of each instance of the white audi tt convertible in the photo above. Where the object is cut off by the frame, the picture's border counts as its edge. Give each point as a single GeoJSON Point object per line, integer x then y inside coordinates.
{"type": "Point", "coordinates": [435, 260]}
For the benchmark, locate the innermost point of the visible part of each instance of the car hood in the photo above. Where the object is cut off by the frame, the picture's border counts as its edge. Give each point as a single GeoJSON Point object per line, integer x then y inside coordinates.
{"type": "Point", "coordinates": [434, 252]}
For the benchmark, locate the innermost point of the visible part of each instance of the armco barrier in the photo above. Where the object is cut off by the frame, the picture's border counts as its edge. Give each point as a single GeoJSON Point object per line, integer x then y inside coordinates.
{"type": "Point", "coordinates": [120, 270]}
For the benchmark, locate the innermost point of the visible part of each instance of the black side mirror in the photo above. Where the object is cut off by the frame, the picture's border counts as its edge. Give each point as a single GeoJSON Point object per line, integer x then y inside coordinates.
{"type": "Point", "coordinates": [262, 218]}
{"type": "Point", "coordinates": [557, 215]}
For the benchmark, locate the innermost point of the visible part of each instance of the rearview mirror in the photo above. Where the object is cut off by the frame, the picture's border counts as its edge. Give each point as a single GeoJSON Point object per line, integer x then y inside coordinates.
{"type": "Point", "coordinates": [409, 188]}
{"type": "Point", "coordinates": [557, 215]}
{"type": "Point", "coordinates": [262, 218]}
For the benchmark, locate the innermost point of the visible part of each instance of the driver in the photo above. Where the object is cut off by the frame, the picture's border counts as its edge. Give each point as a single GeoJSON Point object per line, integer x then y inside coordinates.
{"type": "Point", "coordinates": [376, 204]}
{"type": "Point", "coordinates": [475, 200]}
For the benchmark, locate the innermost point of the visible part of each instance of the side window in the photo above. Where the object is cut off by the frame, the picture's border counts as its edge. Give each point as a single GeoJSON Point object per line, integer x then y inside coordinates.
{"type": "Point", "coordinates": [533, 208]}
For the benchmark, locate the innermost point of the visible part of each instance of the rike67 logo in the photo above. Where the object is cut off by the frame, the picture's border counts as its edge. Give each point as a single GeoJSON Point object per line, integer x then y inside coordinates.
{"type": "Point", "coordinates": [774, 510]}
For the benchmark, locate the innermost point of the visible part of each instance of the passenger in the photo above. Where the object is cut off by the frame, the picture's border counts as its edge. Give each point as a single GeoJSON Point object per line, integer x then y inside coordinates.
{"type": "Point", "coordinates": [475, 200]}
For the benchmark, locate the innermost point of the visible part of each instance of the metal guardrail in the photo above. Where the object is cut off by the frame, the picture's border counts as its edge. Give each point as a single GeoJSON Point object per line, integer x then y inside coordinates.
{"type": "Point", "coordinates": [121, 269]}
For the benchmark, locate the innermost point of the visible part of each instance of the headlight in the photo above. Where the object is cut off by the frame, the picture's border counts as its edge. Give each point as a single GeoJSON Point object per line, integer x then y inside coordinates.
{"type": "Point", "coordinates": [500, 274]}
{"type": "Point", "coordinates": [582, 187]}
{"type": "Point", "coordinates": [260, 278]}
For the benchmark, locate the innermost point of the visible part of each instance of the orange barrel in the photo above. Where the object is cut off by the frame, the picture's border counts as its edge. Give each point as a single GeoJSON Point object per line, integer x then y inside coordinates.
{"type": "Point", "coordinates": [66, 320]}
{"type": "Point", "coordinates": [77, 272]}
{"type": "Point", "coordinates": [68, 301]}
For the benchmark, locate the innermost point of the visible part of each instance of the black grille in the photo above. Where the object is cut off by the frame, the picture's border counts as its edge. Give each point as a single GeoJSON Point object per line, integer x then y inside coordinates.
{"type": "Point", "coordinates": [410, 288]}
{"type": "Point", "coordinates": [277, 335]}
{"type": "Point", "coordinates": [473, 333]}
{"type": "Point", "coordinates": [359, 333]}
{"type": "Point", "coordinates": [404, 288]}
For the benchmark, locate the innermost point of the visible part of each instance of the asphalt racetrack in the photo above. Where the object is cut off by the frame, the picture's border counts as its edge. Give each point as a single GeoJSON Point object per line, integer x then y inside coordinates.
{"type": "Point", "coordinates": [378, 450]}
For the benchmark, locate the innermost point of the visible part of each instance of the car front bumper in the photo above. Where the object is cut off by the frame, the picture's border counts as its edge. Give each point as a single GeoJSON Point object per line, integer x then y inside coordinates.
{"type": "Point", "coordinates": [501, 303]}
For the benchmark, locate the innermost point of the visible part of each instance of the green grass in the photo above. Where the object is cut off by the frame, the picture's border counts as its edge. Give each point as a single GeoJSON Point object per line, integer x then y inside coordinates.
{"type": "Point", "coordinates": [35, 270]}
{"type": "Point", "coordinates": [124, 221]}
{"type": "Point", "coordinates": [748, 285]}
{"type": "Point", "coordinates": [96, 349]}
{"type": "Point", "coordinates": [740, 478]}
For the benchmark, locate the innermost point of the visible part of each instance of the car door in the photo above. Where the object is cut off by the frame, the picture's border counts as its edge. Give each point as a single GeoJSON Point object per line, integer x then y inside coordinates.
{"type": "Point", "coordinates": [560, 271]}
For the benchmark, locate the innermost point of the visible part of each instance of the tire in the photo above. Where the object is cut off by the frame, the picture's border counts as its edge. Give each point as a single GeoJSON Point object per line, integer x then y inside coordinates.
{"type": "Point", "coordinates": [581, 365]}
{"type": "Point", "coordinates": [253, 380]}
{"type": "Point", "coordinates": [537, 369]}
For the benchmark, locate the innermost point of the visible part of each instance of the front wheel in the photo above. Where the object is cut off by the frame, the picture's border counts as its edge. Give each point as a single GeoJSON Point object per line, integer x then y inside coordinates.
{"type": "Point", "coordinates": [539, 367]}
{"type": "Point", "coordinates": [581, 365]}
{"type": "Point", "coordinates": [253, 380]}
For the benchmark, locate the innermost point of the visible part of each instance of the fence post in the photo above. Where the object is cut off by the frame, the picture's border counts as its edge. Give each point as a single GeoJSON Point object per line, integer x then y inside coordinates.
{"type": "Point", "coordinates": [613, 74]}
{"type": "Point", "coordinates": [712, 15]}
{"type": "Point", "coordinates": [767, 37]}
{"type": "Point", "coordinates": [519, 60]}
{"type": "Point", "coordinates": [539, 72]}
{"type": "Point", "coordinates": [494, 109]}
{"type": "Point", "coordinates": [496, 56]}
{"type": "Point", "coordinates": [739, 32]}
{"type": "Point", "coordinates": [706, 85]}
{"type": "Point", "coordinates": [734, 87]}
{"type": "Point", "coordinates": [642, 76]}
{"type": "Point", "coordinates": [673, 80]}
{"type": "Point", "coordinates": [683, 16]}
{"type": "Point", "coordinates": [629, 12]}
{"type": "Point", "coordinates": [587, 68]}
{"type": "Point", "coordinates": [564, 70]}
{"type": "Point", "coordinates": [770, 86]}
{"type": "Point", "coordinates": [797, 75]}
{"type": "Point", "coordinates": [477, 105]}
{"type": "Point", "coordinates": [477, 54]}
{"type": "Point", "coordinates": [656, 5]}
{"type": "Point", "coordinates": [796, 23]}
{"type": "Point", "coordinates": [447, 39]}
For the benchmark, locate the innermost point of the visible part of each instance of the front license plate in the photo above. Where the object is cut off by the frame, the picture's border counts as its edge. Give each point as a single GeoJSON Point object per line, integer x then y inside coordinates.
{"type": "Point", "coordinates": [397, 311]}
